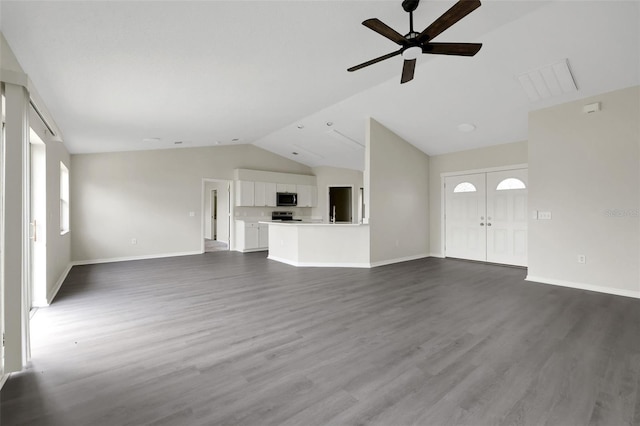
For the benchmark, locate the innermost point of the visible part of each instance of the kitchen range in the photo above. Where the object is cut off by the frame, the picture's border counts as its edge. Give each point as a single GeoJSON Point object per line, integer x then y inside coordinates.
{"type": "Point", "coordinates": [283, 217]}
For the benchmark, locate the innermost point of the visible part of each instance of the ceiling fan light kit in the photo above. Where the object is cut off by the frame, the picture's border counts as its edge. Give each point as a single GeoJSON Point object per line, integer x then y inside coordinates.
{"type": "Point", "coordinates": [413, 43]}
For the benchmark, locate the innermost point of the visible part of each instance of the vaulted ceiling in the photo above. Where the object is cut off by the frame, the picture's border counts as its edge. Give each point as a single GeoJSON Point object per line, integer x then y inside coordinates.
{"type": "Point", "coordinates": [273, 73]}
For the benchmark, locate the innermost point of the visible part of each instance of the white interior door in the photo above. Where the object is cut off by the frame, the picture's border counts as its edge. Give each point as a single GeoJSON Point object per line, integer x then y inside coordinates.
{"type": "Point", "coordinates": [465, 212]}
{"type": "Point", "coordinates": [507, 217]}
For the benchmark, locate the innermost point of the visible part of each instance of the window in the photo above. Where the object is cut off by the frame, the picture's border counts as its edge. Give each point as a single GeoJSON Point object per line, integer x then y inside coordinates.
{"type": "Point", "coordinates": [464, 187]}
{"type": "Point", "coordinates": [64, 199]}
{"type": "Point", "coordinates": [511, 183]}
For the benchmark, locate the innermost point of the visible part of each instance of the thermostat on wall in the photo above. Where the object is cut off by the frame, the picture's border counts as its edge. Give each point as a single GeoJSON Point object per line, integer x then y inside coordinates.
{"type": "Point", "coordinates": [588, 109]}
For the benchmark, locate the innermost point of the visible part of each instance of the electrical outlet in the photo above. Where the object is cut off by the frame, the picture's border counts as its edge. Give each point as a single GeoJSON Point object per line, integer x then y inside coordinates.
{"type": "Point", "coordinates": [192, 214]}
{"type": "Point", "coordinates": [582, 259]}
{"type": "Point", "coordinates": [134, 241]}
{"type": "Point", "coordinates": [544, 215]}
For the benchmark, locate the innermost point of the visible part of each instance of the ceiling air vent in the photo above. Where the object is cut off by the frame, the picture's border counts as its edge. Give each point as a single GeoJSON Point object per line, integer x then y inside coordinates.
{"type": "Point", "coordinates": [548, 81]}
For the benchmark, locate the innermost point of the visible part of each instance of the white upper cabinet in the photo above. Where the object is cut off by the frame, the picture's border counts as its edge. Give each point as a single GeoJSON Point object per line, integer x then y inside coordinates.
{"type": "Point", "coordinates": [307, 195]}
{"type": "Point", "coordinates": [270, 194]}
{"type": "Point", "coordinates": [245, 192]}
{"type": "Point", "coordinates": [259, 195]}
{"type": "Point", "coordinates": [286, 187]}
{"type": "Point", "coordinates": [264, 194]}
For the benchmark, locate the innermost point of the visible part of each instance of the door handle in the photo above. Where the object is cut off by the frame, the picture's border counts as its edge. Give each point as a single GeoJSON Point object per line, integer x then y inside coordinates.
{"type": "Point", "coordinates": [481, 224]}
{"type": "Point", "coordinates": [488, 224]}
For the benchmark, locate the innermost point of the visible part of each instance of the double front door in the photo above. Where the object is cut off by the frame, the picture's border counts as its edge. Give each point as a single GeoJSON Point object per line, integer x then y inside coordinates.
{"type": "Point", "coordinates": [486, 217]}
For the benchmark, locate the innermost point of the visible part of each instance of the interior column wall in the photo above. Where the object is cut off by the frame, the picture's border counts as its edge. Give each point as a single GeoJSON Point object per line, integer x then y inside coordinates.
{"type": "Point", "coordinates": [397, 190]}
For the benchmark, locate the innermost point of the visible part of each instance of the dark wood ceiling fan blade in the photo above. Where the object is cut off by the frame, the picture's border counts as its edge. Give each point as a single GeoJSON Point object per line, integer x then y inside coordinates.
{"type": "Point", "coordinates": [384, 30]}
{"type": "Point", "coordinates": [462, 49]}
{"type": "Point", "coordinates": [376, 60]}
{"type": "Point", "coordinates": [408, 69]}
{"type": "Point", "coordinates": [450, 17]}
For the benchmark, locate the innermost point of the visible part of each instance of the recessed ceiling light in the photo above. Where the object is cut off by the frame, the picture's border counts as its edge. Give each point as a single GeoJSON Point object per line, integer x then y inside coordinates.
{"type": "Point", "coordinates": [177, 143]}
{"type": "Point", "coordinates": [329, 123]}
{"type": "Point", "coordinates": [235, 139]}
{"type": "Point", "coordinates": [151, 140]}
{"type": "Point", "coordinates": [300, 126]}
{"type": "Point", "coordinates": [294, 153]}
{"type": "Point", "coordinates": [466, 127]}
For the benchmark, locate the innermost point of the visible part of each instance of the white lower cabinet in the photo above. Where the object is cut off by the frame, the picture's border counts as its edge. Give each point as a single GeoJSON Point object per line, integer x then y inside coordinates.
{"type": "Point", "coordinates": [251, 236]}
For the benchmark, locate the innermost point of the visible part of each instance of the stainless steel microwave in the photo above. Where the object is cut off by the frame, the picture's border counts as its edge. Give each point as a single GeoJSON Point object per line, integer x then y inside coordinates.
{"type": "Point", "coordinates": [286, 199]}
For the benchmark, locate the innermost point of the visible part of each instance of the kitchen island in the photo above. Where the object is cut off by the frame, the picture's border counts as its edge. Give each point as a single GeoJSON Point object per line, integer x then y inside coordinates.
{"type": "Point", "coordinates": [319, 244]}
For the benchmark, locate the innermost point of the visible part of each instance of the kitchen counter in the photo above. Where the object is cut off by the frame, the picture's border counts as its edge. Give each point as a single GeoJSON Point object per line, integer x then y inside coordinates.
{"type": "Point", "coordinates": [319, 244]}
{"type": "Point", "coordinates": [305, 223]}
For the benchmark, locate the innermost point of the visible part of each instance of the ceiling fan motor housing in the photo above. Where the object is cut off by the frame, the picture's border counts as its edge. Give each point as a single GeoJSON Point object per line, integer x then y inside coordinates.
{"type": "Point", "coordinates": [410, 5]}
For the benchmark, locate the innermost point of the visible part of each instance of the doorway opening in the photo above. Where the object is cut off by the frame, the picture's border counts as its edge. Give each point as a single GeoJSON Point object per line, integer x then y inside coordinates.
{"type": "Point", "coordinates": [216, 229]}
{"type": "Point", "coordinates": [340, 204]}
{"type": "Point", "coordinates": [37, 289]}
{"type": "Point", "coordinates": [3, 104]}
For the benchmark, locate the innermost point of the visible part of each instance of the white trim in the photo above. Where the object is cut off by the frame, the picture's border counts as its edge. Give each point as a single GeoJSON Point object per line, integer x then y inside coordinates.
{"type": "Point", "coordinates": [486, 170]}
{"type": "Point", "coordinates": [14, 77]}
{"type": "Point", "coordinates": [128, 258]}
{"type": "Point", "coordinates": [438, 255]}
{"type": "Point", "coordinates": [252, 250]}
{"type": "Point", "coordinates": [582, 286]}
{"type": "Point", "coordinates": [320, 264]}
{"type": "Point", "coordinates": [399, 260]}
{"type": "Point", "coordinates": [3, 380]}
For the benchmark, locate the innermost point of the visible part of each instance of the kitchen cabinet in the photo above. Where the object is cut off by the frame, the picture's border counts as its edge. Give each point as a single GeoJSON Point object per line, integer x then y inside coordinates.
{"type": "Point", "coordinates": [245, 193]}
{"type": "Point", "coordinates": [264, 194]}
{"type": "Point", "coordinates": [307, 195]}
{"type": "Point", "coordinates": [251, 236]}
{"type": "Point", "coordinates": [286, 187]}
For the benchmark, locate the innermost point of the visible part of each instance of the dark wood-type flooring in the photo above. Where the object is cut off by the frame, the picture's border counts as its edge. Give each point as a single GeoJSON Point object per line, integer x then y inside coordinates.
{"type": "Point", "coordinates": [235, 339]}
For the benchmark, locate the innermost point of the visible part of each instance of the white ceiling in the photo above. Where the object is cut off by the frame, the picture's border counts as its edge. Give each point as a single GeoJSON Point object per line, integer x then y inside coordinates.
{"type": "Point", "coordinates": [208, 72]}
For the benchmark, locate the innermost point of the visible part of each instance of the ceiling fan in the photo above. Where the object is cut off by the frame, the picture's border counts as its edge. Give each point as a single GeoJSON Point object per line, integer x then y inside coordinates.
{"type": "Point", "coordinates": [414, 43]}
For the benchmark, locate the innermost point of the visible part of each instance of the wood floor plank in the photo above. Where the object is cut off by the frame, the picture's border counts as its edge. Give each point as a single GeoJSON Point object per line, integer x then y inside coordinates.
{"type": "Point", "coordinates": [235, 339]}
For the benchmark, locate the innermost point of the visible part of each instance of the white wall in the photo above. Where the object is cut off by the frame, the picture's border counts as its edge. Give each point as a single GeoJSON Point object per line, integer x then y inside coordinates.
{"type": "Point", "coordinates": [396, 191]}
{"type": "Point", "coordinates": [148, 195]}
{"type": "Point", "coordinates": [334, 176]}
{"type": "Point", "coordinates": [473, 159]}
{"type": "Point", "coordinates": [585, 170]}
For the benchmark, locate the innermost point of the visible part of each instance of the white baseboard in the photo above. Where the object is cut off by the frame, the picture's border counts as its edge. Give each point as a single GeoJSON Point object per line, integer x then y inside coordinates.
{"type": "Point", "coordinates": [54, 291]}
{"type": "Point", "coordinates": [588, 287]}
{"type": "Point", "coordinates": [320, 264]}
{"type": "Point", "coordinates": [438, 255]}
{"type": "Point", "coordinates": [128, 258]}
{"type": "Point", "coordinates": [251, 250]}
{"type": "Point", "coordinates": [398, 260]}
